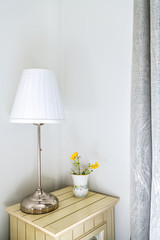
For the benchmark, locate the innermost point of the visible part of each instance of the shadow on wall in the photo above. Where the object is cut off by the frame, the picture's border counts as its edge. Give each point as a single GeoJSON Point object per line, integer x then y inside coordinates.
{"type": "Point", "coordinates": [28, 186]}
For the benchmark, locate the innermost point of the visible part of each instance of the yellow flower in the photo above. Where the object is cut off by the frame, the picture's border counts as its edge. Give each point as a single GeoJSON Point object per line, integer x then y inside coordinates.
{"type": "Point", "coordinates": [96, 165]}
{"type": "Point", "coordinates": [92, 166]}
{"type": "Point", "coordinates": [74, 156]}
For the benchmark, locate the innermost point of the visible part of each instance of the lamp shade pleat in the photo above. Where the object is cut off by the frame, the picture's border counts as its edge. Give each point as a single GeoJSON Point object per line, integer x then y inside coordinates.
{"type": "Point", "coordinates": [37, 99]}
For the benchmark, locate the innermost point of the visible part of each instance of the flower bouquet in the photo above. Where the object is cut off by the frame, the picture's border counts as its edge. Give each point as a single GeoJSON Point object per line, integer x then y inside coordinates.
{"type": "Point", "coordinates": [77, 170]}
{"type": "Point", "coordinates": [80, 175]}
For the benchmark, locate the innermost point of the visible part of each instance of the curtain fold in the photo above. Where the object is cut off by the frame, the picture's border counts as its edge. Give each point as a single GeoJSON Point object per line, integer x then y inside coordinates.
{"type": "Point", "coordinates": [155, 100]}
{"type": "Point", "coordinates": [145, 122]}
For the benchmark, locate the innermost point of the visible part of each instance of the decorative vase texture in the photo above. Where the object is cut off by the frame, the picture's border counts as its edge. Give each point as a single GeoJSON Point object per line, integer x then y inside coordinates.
{"type": "Point", "coordinates": [80, 185]}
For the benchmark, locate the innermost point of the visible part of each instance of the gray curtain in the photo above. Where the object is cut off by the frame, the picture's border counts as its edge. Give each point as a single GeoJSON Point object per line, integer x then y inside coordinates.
{"type": "Point", "coordinates": [145, 122]}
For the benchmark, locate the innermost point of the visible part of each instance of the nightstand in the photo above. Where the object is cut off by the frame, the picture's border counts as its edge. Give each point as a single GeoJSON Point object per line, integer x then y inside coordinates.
{"type": "Point", "coordinates": [75, 219]}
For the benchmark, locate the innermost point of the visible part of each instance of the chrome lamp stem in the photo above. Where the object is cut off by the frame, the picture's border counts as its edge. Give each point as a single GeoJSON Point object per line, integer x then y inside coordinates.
{"type": "Point", "coordinates": [39, 150]}
{"type": "Point", "coordinates": [40, 201]}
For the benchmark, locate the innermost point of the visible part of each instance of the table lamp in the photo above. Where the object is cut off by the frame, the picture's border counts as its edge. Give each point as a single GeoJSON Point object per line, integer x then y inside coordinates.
{"type": "Point", "coordinates": [38, 101]}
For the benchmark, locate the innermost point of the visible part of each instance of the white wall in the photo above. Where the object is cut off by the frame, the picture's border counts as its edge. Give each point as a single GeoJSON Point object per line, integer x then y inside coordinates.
{"type": "Point", "coordinates": [29, 38]}
{"type": "Point", "coordinates": [88, 44]}
{"type": "Point", "coordinates": [96, 63]}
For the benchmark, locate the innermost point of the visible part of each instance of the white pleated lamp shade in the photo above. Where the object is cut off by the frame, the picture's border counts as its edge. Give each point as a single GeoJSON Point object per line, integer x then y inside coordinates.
{"type": "Point", "coordinates": [37, 99]}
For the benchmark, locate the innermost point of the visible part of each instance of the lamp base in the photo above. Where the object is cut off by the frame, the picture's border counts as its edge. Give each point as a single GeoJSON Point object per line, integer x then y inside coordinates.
{"type": "Point", "coordinates": [39, 202]}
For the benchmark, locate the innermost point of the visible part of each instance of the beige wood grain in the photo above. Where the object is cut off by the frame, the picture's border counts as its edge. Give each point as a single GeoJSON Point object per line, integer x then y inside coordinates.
{"type": "Point", "coordinates": [14, 208]}
{"type": "Point", "coordinates": [67, 236]}
{"type": "Point", "coordinates": [21, 230]}
{"type": "Point", "coordinates": [78, 231]}
{"type": "Point", "coordinates": [55, 216]}
{"type": "Point", "coordinates": [63, 204]}
{"type": "Point", "coordinates": [65, 201]}
{"type": "Point", "coordinates": [30, 232]}
{"type": "Point", "coordinates": [95, 232]}
{"type": "Point", "coordinates": [40, 235]}
{"type": "Point", "coordinates": [108, 216]}
{"type": "Point", "coordinates": [20, 213]}
{"type": "Point", "coordinates": [89, 225]}
{"type": "Point", "coordinates": [73, 219]}
{"type": "Point", "coordinates": [99, 219]}
{"type": "Point", "coordinates": [112, 222]}
{"type": "Point", "coordinates": [49, 237]}
{"type": "Point", "coordinates": [13, 228]}
{"type": "Point", "coordinates": [62, 191]}
{"type": "Point", "coordinates": [65, 196]}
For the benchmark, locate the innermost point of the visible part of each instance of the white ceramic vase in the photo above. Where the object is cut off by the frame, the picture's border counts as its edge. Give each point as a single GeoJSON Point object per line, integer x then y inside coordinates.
{"type": "Point", "coordinates": [80, 185]}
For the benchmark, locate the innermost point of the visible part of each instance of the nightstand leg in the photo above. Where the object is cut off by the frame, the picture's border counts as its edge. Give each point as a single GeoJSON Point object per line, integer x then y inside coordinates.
{"type": "Point", "coordinates": [109, 218]}
{"type": "Point", "coordinates": [13, 228]}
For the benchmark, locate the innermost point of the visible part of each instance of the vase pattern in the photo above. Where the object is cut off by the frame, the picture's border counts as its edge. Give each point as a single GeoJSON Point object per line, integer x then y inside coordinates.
{"type": "Point", "coordinates": [80, 185]}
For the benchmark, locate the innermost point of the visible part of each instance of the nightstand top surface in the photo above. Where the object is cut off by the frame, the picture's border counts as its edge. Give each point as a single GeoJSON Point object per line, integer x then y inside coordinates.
{"type": "Point", "coordinates": [71, 211]}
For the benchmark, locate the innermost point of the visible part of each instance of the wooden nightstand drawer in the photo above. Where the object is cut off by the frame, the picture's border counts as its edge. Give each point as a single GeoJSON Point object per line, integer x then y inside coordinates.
{"type": "Point", "coordinates": [101, 232]}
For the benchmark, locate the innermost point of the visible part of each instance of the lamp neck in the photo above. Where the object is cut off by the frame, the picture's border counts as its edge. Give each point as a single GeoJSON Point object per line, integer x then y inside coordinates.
{"type": "Point", "coordinates": [39, 150]}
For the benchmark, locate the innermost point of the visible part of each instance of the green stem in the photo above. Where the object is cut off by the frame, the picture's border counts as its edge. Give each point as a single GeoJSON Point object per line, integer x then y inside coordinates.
{"type": "Point", "coordinates": [79, 166]}
{"type": "Point", "coordinates": [73, 171]}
